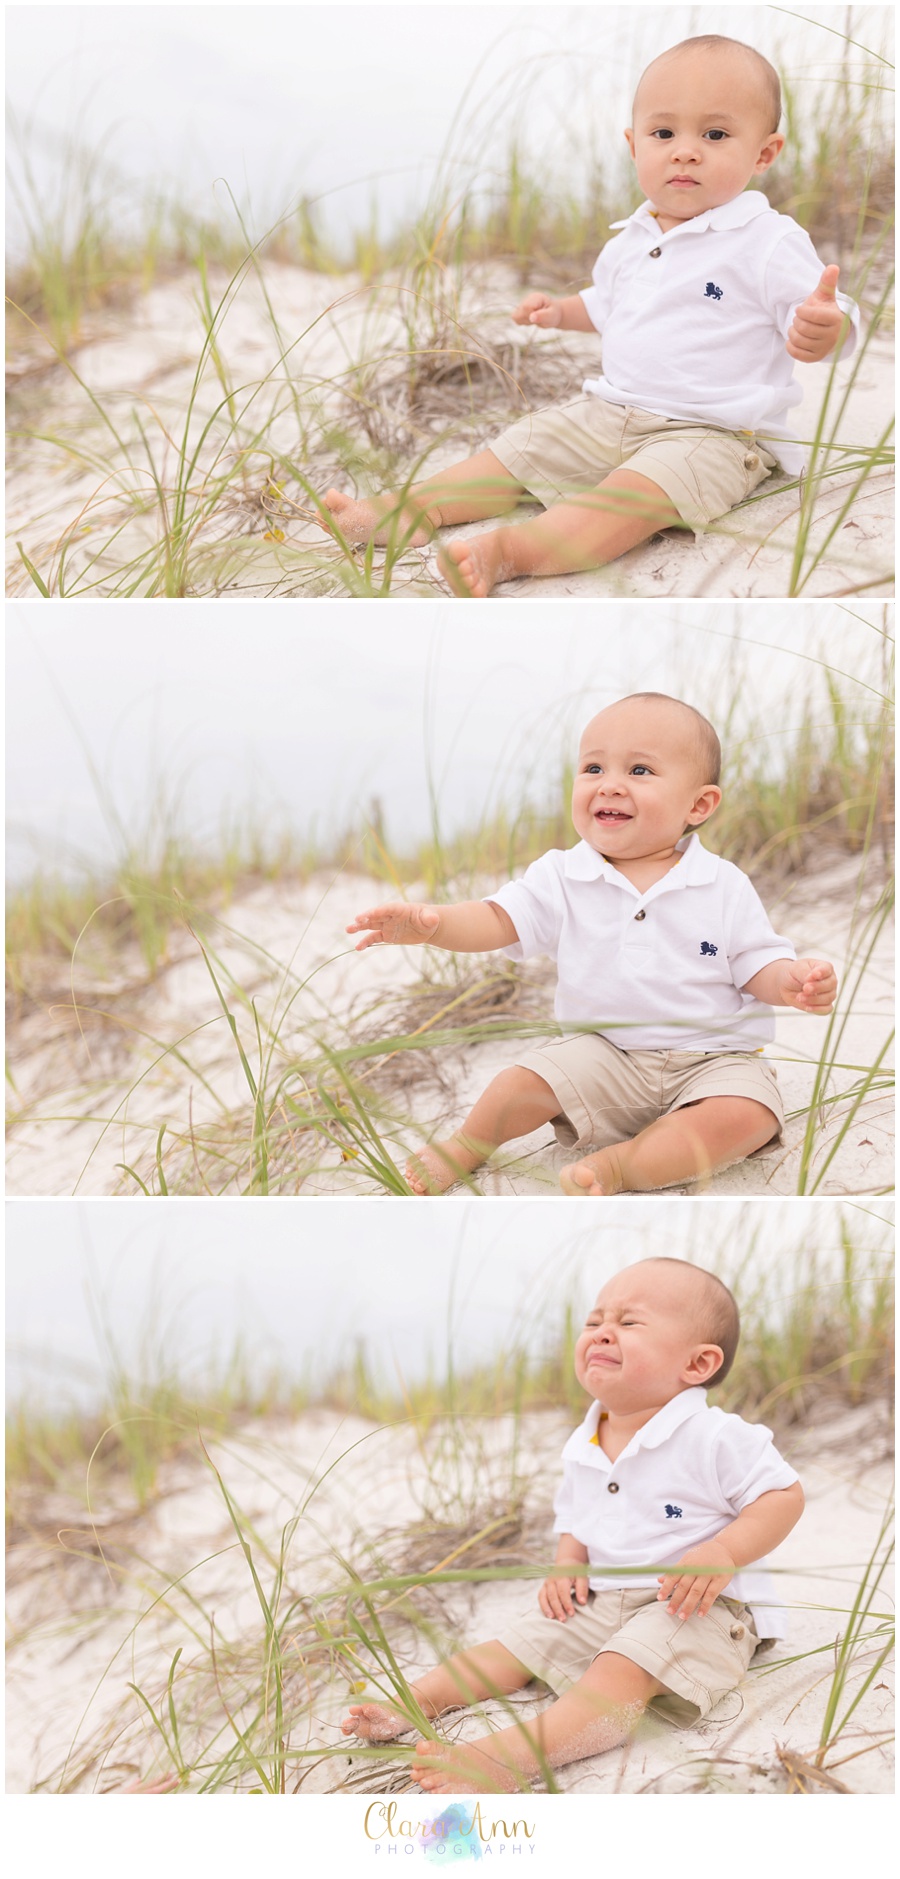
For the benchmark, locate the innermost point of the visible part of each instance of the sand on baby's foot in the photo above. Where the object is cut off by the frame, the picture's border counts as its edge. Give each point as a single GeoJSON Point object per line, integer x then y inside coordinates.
{"type": "Point", "coordinates": [362, 520]}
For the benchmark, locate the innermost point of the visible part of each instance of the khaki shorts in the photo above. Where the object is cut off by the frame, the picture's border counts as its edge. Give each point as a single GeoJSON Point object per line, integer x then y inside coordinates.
{"type": "Point", "coordinates": [608, 1095]}
{"type": "Point", "coordinates": [567, 449]}
{"type": "Point", "coordinates": [698, 1659]}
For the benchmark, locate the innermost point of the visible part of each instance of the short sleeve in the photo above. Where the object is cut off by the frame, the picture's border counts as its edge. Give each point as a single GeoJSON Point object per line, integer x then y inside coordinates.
{"type": "Point", "coordinates": [793, 273]}
{"type": "Point", "coordinates": [564, 1501]}
{"type": "Point", "coordinates": [748, 1464]}
{"type": "Point", "coordinates": [535, 907]}
{"type": "Point", "coordinates": [598, 297]}
{"type": "Point", "coordinates": [752, 940]}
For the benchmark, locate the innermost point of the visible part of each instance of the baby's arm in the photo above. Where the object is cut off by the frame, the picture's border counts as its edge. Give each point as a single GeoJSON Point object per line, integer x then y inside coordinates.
{"type": "Point", "coordinates": [760, 1527]}
{"type": "Point", "coordinates": [472, 926]}
{"type": "Point", "coordinates": [555, 1595]}
{"type": "Point", "coordinates": [807, 984]}
{"type": "Point", "coordinates": [570, 314]}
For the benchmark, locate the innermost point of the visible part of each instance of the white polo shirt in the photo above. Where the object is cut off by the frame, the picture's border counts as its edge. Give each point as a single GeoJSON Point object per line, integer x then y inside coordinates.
{"type": "Point", "coordinates": [661, 970]}
{"type": "Point", "coordinates": [686, 1474]}
{"type": "Point", "coordinates": [694, 321]}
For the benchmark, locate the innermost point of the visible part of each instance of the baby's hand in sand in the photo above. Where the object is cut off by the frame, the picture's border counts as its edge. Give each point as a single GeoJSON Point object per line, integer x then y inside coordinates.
{"type": "Point", "coordinates": [816, 325]}
{"type": "Point", "coordinates": [555, 1596]}
{"type": "Point", "coordinates": [809, 985]}
{"type": "Point", "coordinates": [538, 310]}
{"type": "Point", "coordinates": [684, 1593]}
{"type": "Point", "coordinates": [396, 924]}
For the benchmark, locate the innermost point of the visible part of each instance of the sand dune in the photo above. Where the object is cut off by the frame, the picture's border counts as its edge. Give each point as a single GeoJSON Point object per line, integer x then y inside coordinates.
{"type": "Point", "coordinates": [327, 357]}
{"type": "Point", "coordinates": [94, 1081]}
{"type": "Point", "coordinates": [109, 1602]}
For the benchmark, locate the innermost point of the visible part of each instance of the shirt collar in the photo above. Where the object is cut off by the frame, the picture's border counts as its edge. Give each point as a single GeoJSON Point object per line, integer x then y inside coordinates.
{"type": "Point", "coordinates": [696, 868]}
{"type": "Point", "coordinates": [734, 214]}
{"type": "Point", "coordinates": [672, 1416]}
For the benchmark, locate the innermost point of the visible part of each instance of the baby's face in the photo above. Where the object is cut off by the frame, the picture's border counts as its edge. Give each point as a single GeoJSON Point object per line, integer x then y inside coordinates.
{"type": "Point", "coordinates": [701, 130]}
{"type": "Point", "coordinates": [638, 1341]}
{"type": "Point", "coordinates": [638, 783]}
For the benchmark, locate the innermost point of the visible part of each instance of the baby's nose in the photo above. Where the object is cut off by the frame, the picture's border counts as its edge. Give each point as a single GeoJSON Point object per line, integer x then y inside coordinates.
{"type": "Point", "coordinates": [685, 150]}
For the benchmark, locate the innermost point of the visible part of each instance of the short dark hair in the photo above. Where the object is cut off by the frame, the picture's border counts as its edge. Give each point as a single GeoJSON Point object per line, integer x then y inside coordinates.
{"type": "Point", "coordinates": [709, 750]}
{"type": "Point", "coordinates": [712, 42]}
{"type": "Point", "coordinates": [718, 1318]}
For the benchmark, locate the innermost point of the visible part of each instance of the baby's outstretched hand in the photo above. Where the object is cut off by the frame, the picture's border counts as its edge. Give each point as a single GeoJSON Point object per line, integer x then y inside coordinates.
{"type": "Point", "coordinates": [555, 1595]}
{"type": "Point", "coordinates": [396, 924]}
{"type": "Point", "coordinates": [817, 323]}
{"type": "Point", "coordinates": [684, 1593]}
{"type": "Point", "coordinates": [809, 985]}
{"type": "Point", "coordinates": [538, 310]}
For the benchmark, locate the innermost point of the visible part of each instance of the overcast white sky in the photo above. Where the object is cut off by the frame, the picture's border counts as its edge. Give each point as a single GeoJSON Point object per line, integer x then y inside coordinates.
{"type": "Point", "coordinates": [189, 1277]}
{"type": "Point", "coordinates": [302, 712]}
{"type": "Point", "coordinates": [325, 99]}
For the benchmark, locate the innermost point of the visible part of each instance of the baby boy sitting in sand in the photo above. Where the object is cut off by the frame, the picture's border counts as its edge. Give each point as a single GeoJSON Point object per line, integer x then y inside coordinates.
{"type": "Point", "coordinates": [653, 1478]}
{"type": "Point", "coordinates": [703, 300]}
{"type": "Point", "coordinates": [666, 965]}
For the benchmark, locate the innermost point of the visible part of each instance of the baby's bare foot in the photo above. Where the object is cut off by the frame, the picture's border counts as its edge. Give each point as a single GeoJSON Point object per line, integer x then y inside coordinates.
{"type": "Point", "coordinates": [461, 1768]}
{"type": "Point", "coordinates": [374, 1722]}
{"type": "Point", "coordinates": [472, 565]}
{"type": "Point", "coordinates": [594, 1178]}
{"type": "Point", "coordinates": [433, 1170]}
{"type": "Point", "coordinates": [379, 519]}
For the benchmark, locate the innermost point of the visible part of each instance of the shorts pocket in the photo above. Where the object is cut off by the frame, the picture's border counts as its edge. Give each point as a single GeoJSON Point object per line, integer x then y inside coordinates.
{"type": "Point", "coordinates": [735, 1624]}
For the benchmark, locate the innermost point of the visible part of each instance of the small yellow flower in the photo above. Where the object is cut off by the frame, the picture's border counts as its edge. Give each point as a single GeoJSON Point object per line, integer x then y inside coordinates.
{"type": "Point", "coordinates": [274, 535]}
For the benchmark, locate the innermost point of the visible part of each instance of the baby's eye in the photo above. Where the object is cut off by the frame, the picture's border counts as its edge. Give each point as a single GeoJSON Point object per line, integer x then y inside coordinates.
{"type": "Point", "coordinates": [593, 769]}
{"type": "Point", "coordinates": [716, 136]}
{"type": "Point", "coordinates": [664, 134]}
{"type": "Point", "coordinates": [641, 769]}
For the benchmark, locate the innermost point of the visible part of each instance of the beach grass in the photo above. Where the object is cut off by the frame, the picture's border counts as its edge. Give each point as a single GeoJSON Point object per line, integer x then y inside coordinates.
{"type": "Point", "coordinates": [298, 1085]}
{"type": "Point", "coordinates": [215, 1707]}
{"type": "Point", "coordinates": [219, 475]}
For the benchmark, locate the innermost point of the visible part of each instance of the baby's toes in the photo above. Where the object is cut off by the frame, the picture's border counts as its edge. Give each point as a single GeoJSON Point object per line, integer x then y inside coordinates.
{"type": "Point", "coordinates": [578, 1180]}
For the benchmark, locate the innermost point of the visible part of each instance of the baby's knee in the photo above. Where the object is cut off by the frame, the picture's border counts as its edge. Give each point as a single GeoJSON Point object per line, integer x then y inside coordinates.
{"type": "Point", "coordinates": [520, 1084]}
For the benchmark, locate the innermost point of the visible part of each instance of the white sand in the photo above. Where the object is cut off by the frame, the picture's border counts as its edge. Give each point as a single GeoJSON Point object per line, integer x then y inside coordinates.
{"type": "Point", "coordinates": [90, 1089]}
{"type": "Point", "coordinates": [339, 341]}
{"type": "Point", "coordinates": [81, 1629]}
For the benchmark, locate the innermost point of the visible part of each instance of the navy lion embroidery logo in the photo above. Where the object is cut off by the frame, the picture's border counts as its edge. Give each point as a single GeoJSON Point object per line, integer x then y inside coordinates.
{"type": "Point", "coordinates": [672, 1513]}
{"type": "Point", "coordinates": [707, 949]}
{"type": "Point", "coordinates": [712, 291]}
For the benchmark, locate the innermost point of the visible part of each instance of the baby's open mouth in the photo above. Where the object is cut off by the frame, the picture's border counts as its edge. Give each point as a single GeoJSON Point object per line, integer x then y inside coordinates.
{"type": "Point", "coordinates": [611, 817]}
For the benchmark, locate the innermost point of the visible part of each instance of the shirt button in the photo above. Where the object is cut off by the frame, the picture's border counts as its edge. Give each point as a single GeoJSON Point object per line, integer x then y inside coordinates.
{"type": "Point", "coordinates": [655, 254]}
{"type": "Point", "coordinates": [642, 915]}
{"type": "Point", "coordinates": [612, 1487]}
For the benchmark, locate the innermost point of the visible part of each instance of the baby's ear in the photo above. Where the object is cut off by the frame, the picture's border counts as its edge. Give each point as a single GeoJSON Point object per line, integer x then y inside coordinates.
{"type": "Point", "coordinates": [706, 802]}
{"type": "Point", "coordinates": [771, 149]}
{"type": "Point", "coordinates": [705, 1362]}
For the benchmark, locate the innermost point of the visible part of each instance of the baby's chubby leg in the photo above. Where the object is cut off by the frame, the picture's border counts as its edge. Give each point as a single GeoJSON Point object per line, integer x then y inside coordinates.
{"type": "Point", "coordinates": [466, 492]}
{"type": "Point", "coordinates": [685, 1145]}
{"type": "Point", "coordinates": [600, 1711]}
{"type": "Point", "coordinates": [585, 532]}
{"type": "Point", "coordinates": [515, 1103]}
{"type": "Point", "coordinates": [486, 1670]}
